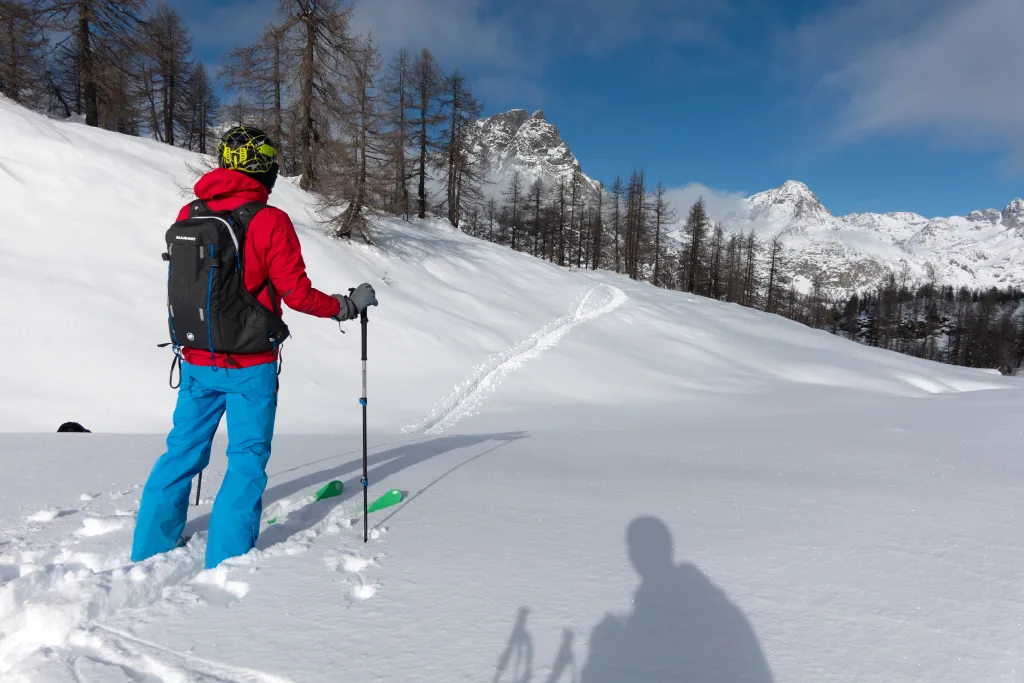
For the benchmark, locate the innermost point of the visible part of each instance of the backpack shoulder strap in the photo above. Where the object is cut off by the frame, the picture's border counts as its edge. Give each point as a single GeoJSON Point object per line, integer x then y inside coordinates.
{"type": "Point", "coordinates": [197, 208]}
{"type": "Point", "coordinates": [245, 213]}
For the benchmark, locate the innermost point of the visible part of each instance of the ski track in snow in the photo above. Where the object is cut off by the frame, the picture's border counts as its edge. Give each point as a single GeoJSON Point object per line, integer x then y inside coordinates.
{"type": "Point", "coordinates": [53, 595]}
{"type": "Point", "coordinates": [143, 659]}
{"type": "Point", "coordinates": [599, 300]}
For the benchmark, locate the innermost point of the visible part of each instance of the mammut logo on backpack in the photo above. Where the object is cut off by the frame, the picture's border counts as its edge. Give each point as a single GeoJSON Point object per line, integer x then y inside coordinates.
{"type": "Point", "coordinates": [190, 336]}
{"type": "Point", "coordinates": [185, 237]}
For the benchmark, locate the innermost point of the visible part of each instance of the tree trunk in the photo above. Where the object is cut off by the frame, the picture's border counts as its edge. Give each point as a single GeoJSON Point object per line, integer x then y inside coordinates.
{"type": "Point", "coordinates": [453, 212]}
{"type": "Point", "coordinates": [90, 92]}
{"type": "Point", "coordinates": [278, 128]}
{"type": "Point", "coordinates": [422, 190]}
{"type": "Point", "coordinates": [308, 181]}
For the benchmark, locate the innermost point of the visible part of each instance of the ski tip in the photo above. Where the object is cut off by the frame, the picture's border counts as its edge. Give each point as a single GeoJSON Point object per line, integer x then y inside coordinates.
{"type": "Point", "coordinates": [392, 497]}
{"type": "Point", "coordinates": [330, 490]}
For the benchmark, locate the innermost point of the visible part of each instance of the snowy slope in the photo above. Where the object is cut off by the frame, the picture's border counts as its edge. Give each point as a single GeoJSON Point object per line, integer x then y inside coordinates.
{"type": "Point", "coordinates": [838, 513]}
{"type": "Point", "coordinates": [83, 278]}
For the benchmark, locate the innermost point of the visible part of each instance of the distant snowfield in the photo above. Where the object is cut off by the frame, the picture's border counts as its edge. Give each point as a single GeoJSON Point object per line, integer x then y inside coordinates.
{"type": "Point", "coordinates": [605, 481]}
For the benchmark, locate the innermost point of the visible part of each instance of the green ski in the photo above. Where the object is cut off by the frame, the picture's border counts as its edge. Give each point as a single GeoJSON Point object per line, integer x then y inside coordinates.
{"type": "Point", "coordinates": [329, 490]}
{"type": "Point", "coordinates": [392, 497]}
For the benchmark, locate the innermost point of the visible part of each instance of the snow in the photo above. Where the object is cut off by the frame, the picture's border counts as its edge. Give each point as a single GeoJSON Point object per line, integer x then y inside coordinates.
{"type": "Point", "coordinates": [604, 481]}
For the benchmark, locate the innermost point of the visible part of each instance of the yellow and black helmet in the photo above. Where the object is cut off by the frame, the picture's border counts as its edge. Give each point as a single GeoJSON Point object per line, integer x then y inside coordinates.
{"type": "Point", "coordinates": [246, 149]}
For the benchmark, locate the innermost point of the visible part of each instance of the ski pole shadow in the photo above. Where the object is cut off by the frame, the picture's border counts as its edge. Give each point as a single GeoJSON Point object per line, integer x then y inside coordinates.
{"type": "Point", "coordinates": [517, 658]}
{"type": "Point", "coordinates": [565, 660]}
{"type": "Point", "coordinates": [405, 503]}
{"type": "Point", "coordinates": [683, 627]}
{"type": "Point", "coordinates": [382, 465]}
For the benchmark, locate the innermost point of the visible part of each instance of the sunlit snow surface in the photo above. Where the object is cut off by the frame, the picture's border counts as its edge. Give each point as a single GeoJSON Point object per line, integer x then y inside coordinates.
{"type": "Point", "coordinates": [604, 481]}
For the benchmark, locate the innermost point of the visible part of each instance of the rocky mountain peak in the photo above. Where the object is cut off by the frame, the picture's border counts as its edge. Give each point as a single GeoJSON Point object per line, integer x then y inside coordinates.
{"type": "Point", "coordinates": [986, 216]}
{"type": "Point", "coordinates": [529, 143]}
{"type": "Point", "coordinates": [1013, 214]}
{"type": "Point", "coordinates": [792, 200]}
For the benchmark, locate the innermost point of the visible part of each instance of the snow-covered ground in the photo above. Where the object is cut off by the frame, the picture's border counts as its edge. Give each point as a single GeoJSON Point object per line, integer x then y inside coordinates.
{"type": "Point", "coordinates": [605, 481]}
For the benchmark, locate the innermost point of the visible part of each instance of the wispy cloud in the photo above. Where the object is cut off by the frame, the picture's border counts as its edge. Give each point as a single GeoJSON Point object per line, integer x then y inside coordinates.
{"type": "Point", "coordinates": [720, 203]}
{"type": "Point", "coordinates": [508, 90]}
{"type": "Point", "coordinates": [951, 68]}
{"type": "Point", "coordinates": [509, 45]}
{"type": "Point", "coordinates": [454, 30]}
{"type": "Point", "coordinates": [601, 27]}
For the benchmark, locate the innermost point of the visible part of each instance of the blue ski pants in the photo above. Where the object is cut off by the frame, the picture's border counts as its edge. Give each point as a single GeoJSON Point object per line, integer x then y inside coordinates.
{"type": "Point", "coordinates": [249, 396]}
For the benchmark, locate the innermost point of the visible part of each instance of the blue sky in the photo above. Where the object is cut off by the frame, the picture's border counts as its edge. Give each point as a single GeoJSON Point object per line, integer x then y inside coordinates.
{"type": "Point", "coordinates": [878, 105]}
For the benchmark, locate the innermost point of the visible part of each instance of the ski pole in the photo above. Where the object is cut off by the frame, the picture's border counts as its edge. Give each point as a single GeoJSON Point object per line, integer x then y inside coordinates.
{"type": "Point", "coordinates": [364, 319]}
{"type": "Point", "coordinates": [199, 486]}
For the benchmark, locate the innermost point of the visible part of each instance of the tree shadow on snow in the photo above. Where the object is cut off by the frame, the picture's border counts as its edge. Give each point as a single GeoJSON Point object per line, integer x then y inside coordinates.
{"type": "Point", "coordinates": [381, 466]}
{"type": "Point", "coordinates": [683, 628]}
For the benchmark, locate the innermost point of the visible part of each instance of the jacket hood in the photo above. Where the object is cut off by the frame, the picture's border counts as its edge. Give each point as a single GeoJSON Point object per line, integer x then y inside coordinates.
{"type": "Point", "coordinates": [225, 183]}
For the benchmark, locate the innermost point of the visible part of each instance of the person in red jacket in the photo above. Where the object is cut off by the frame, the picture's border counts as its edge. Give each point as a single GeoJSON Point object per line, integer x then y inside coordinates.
{"type": "Point", "coordinates": [242, 385]}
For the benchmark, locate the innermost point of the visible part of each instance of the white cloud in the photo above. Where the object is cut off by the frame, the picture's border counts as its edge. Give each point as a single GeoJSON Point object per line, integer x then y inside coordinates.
{"type": "Point", "coordinates": [956, 72]}
{"type": "Point", "coordinates": [508, 45]}
{"type": "Point", "coordinates": [605, 26]}
{"type": "Point", "coordinates": [454, 30]}
{"type": "Point", "coordinates": [720, 203]}
{"type": "Point", "coordinates": [523, 93]}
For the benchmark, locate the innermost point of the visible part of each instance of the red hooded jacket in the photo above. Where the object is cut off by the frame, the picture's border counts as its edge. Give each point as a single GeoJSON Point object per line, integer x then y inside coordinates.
{"type": "Point", "coordinates": [271, 250]}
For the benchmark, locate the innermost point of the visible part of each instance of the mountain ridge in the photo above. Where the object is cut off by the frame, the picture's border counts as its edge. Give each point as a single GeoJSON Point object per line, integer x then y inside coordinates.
{"type": "Point", "coordinates": [844, 254]}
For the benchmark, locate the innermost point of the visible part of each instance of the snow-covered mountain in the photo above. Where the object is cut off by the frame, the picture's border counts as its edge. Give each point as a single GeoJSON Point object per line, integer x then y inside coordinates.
{"type": "Point", "coordinates": [529, 143]}
{"type": "Point", "coordinates": [982, 249]}
{"type": "Point", "coordinates": [985, 248]}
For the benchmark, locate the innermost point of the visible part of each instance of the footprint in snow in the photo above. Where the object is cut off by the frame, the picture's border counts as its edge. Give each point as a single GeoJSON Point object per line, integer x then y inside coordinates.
{"type": "Point", "coordinates": [353, 564]}
{"type": "Point", "coordinates": [49, 514]}
{"type": "Point", "coordinates": [217, 589]}
{"type": "Point", "coordinates": [98, 526]}
{"type": "Point", "coordinates": [364, 591]}
{"type": "Point", "coordinates": [9, 572]}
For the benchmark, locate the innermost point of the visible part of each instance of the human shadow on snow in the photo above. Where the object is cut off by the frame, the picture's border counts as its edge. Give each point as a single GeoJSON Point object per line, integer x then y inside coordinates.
{"type": "Point", "coordinates": [382, 465]}
{"type": "Point", "coordinates": [683, 629]}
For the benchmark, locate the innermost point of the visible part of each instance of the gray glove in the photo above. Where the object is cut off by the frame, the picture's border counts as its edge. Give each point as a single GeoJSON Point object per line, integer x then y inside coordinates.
{"type": "Point", "coordinates": [348, 309]}
{"type": "Point", "coordinates": [356, 302]}
{"type": "Point", "coordinates": [363, 297]}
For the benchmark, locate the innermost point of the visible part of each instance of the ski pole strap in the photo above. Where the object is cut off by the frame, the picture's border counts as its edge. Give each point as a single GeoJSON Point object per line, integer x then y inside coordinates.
{"type": "Point", "coordinates": [175, 362]}
{"type": "Point", "coordinates": [364, 482]}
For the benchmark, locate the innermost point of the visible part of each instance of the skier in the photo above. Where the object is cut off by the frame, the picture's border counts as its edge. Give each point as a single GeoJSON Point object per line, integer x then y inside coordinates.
{"type": "Point", "coordinates": [244, 385]}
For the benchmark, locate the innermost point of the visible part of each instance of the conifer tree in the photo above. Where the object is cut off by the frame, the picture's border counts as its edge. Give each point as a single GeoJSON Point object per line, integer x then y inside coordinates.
{"type": "Point", "coordinates": [426, 83]}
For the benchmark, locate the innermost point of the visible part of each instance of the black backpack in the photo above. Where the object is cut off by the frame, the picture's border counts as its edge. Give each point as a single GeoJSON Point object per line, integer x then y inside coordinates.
{"type": "Point", "coordinates": [208, 307]}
